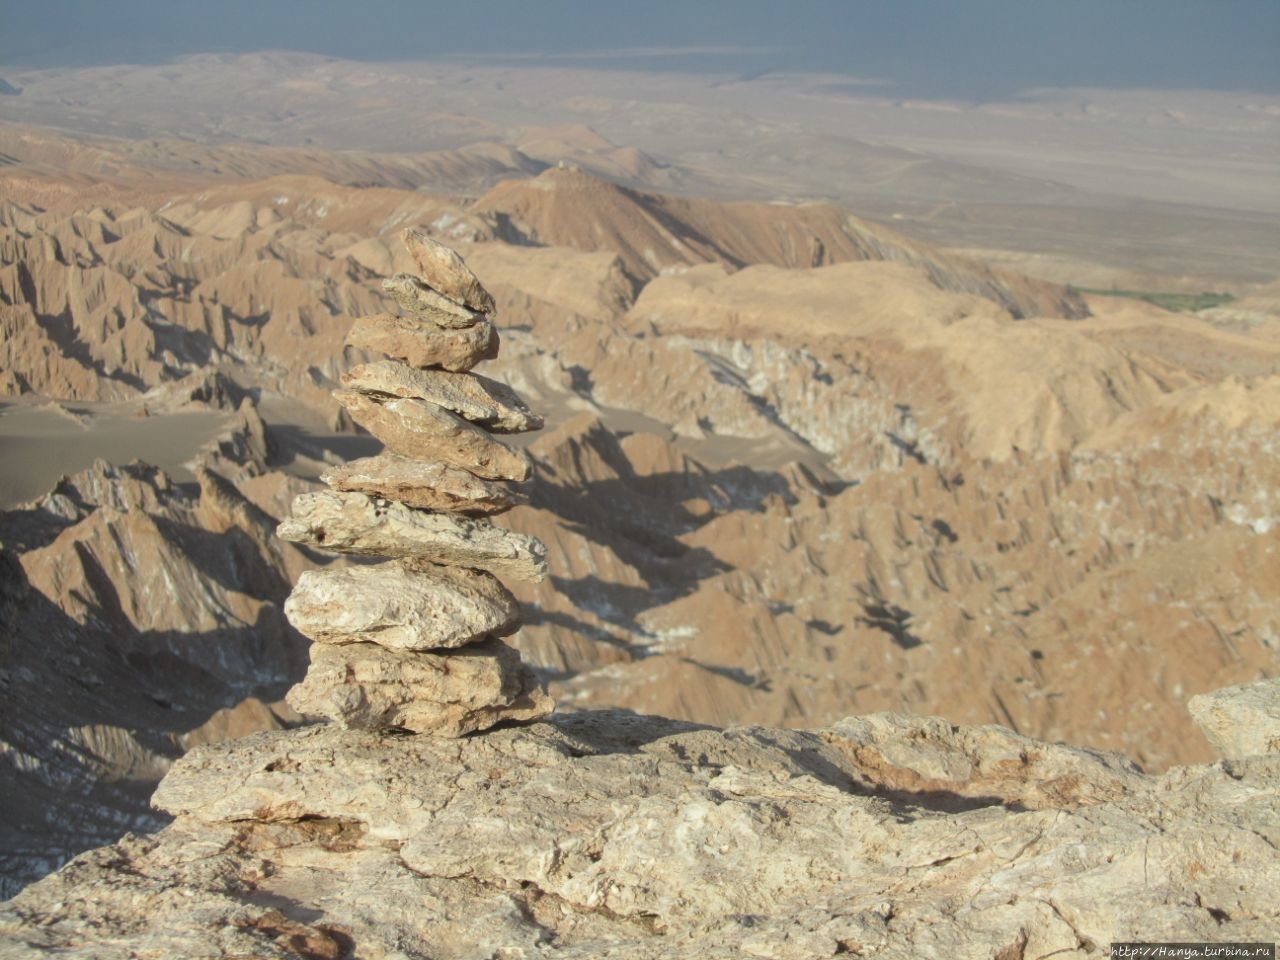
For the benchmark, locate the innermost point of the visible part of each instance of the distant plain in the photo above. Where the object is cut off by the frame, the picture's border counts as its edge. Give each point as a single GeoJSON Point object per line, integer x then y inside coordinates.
{"type": "Point", "coordinates": [1097, 187]}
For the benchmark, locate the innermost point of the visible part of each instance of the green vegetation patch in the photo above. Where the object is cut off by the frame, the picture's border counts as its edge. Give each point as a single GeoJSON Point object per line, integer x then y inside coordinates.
{"type": "Point", "coordinates": [1184, 302]}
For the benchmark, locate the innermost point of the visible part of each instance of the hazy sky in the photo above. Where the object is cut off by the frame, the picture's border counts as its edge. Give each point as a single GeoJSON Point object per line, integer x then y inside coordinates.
{"type": "Point", "coordinates": [968, 48]}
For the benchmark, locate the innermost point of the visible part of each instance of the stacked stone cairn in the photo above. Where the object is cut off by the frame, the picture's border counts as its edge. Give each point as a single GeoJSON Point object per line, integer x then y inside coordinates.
{"type": "Point", "coordinates": [413, 643]}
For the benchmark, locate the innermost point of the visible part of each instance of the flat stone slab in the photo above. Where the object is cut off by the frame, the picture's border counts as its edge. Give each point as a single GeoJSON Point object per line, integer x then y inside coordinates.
{"type": "Point", "coordinates": [401, 605]}
{"type": "Point", "coordinates": [490, 403]}
{"type": "Point", "coordinates": [1240, 721]}
{"type": "Point", "coordinates": [358, 524]}
{"type": "Point", "coordinates": [428, 485]}
{"type": "Point", "coordinates": [443, 270]}
{"type": "Point", "coordinates": [421, 301]}
{"type": "Point", "coordinates": [423, 431]}
{"type": "Point", "coordinates": [368, 687]}
{"type": "Point", "coordinates": [422, 344]}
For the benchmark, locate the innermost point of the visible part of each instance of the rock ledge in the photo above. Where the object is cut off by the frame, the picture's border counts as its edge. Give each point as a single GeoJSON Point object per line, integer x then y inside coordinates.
{"type": "Point", "coordinates": [616, 835]}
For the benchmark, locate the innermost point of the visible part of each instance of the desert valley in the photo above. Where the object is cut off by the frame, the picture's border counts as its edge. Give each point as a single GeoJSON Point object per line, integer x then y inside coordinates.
{"type": "Point", "coordinates": [854, 406]}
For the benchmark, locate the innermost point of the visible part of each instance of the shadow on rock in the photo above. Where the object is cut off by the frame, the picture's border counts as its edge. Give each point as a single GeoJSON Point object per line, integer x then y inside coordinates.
{"type": "Point", "coordinates": [620, 730]}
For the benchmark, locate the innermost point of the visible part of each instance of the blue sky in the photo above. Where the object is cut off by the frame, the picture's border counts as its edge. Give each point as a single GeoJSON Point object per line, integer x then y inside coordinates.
{"type": "Point", "coordinates": [966, 48]}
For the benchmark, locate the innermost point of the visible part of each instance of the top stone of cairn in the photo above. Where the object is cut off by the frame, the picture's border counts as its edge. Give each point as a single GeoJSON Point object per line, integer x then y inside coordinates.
{"type": "Point", "coordinates": [445, 272]}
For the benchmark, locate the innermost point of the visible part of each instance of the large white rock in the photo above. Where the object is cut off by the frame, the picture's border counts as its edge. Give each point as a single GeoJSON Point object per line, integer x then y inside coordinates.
{"type": "Point", "coordinates": [401, 605]}
{"type": "Point", "coordinates": [423, 431]}
{"type": "Point", "coordinates": [359, 524]}
{"type": "Point", "coordinates": [490, 403]}
{"type": "Point", "coordinates": [1240, 721]}
{"type": "Point", "coordinates": [369, 687]}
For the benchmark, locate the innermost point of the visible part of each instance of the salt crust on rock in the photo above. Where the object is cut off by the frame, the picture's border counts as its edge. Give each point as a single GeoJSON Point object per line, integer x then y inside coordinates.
{"type": "Point", "coordinates": [427, 486]}
{"type": "Point", "coordinates": [358, 524]}
{"type": "Point", "coordinates": [490, 403]}
{"type": "Point", "coordinates": [422, 344]}
{"type": "Point", "coordinates": [401, 605]}
{"type": "Point", "coordinates": [616, 835]}
{"type": "Point", "coordinates": [367, 686]}
{"type": "Point", "coordinates": [422, 430]}
{"type": "Point", "coordinates": [443, 270]}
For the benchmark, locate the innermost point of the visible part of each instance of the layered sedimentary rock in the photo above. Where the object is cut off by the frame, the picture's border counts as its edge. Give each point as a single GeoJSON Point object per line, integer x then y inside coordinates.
{"type": "Point", "coordinates": [412, 644]}
{"type": "Point", "coordinates": [431, 486]}
{"type": "Point", "coordinates": [368, 526]}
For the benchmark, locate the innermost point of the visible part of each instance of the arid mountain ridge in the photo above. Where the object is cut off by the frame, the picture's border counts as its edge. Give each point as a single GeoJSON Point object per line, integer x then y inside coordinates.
{"type": "Point", "coordinates": [799, 467]}
{"type": "Point", "coordinates": [1101, 186]}
{"type": "Point", "coordinates": [565, 208]}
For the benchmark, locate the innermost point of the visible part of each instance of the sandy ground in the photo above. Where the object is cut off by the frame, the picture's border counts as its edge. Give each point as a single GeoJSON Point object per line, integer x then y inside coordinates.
{"type": "Point", "coordinates": [41, 441]}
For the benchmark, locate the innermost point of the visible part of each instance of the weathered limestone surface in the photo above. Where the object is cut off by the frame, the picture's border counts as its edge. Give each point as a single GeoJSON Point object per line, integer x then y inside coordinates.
{"type": "Point", "coordinates": [401, 605]}
{"type": "Point", "coordinates": [927, 755]}
{"type": "Point", "coordinates": [490, 403]}
{"type": "Point", "coordinates": [367, 686]}
{"type": "Point", "coordinates": [422, 430]}
{"type": "Point", "coordinates": [423, 302]}
{"type": "Point", "coordinates": [1240, 721]}
{"type": "Point", "coordinates": [616, 835]}
{"type": "Point", "coordinates": [358, 524]}
{"type": "Point", "coordinates": [425, 485]}
{"type": "Point", "coordinates": [420, 343]}
{"type": "Point", "coordinates": [445, 271]}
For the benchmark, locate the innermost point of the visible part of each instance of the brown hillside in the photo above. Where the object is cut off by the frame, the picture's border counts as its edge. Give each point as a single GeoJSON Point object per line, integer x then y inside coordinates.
{"type": "Point", "coordinates": [652, 233]}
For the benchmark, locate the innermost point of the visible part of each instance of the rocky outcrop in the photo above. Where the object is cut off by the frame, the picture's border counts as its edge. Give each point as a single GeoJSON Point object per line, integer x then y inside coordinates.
{"type": "Point", "coordinates": [608, 834]}
{"type": "Point", "coordinates": [937, 583]}
{"type": "Point", "coordinates": [412, 644]}
{"type": "Point", "coordinates": [1240, 721]}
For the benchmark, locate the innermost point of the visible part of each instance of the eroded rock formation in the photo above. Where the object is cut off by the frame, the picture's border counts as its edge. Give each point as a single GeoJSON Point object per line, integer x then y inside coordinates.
{"type": "Point", "coordinates": [1240, 721]}
{"type": "Point", "coordinates": [606, 833]}
{"type": "Point", "coordinates": [412, 644]}
{"type": "Point", "coordinates": [1112, 542]}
